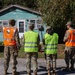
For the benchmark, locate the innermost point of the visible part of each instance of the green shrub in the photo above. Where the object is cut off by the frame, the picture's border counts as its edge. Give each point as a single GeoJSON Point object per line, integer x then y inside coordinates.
{"type": "Point", "coordinates": [1, 43]}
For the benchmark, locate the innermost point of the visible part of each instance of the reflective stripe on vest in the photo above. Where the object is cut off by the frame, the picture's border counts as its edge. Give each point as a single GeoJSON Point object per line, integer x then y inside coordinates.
{"type": "Point", "coordinates": [30, 46]}
{"type": "Point", "coordinates": [71, 40]}
{"type": "Point", "coordinates": [9, 38]}
{"type": "Point", "coordinates": [50, 46]}
{"type": "Point", "coordinates": [31, 43]}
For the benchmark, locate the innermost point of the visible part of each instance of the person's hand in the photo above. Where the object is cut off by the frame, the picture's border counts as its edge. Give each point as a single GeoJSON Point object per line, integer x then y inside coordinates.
{"type": "Point", "coordinates": [18, 46]}
{"type": "Point", "coordinates": [66, 50]}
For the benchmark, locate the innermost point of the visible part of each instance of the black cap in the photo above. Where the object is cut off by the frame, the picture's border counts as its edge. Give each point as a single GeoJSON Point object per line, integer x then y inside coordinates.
{"type": "Point", "coordinates": [12, 22]}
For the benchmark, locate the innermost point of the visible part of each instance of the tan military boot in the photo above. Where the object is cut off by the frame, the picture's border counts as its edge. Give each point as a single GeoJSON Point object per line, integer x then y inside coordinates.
{"type": "Point", "coordinates": [14, 73]}
{"type": "Point", "coordinates": [54, 73]}
{"type": "Point", "coordinates": [5, 72]}
{"type": "Point", "coordinates": [35, 73]}
{"type": "Point", "coordinates": [29, 73]}
{"type": "Point", "coordinates": [49, 72]}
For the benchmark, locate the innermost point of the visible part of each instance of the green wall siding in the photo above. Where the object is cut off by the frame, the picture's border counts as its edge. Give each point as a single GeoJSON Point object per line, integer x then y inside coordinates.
{"type": "Point", "coordinates": [18, 14]}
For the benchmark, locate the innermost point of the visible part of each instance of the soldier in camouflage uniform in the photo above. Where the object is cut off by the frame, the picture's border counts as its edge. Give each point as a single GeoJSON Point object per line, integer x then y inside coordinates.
{"type": "Point", "coordinates": [11, 50]}
{"type": "Point", "coordinates": [69, 40]}
{"type": "Point", "coordinates": [31, 40]}
{"type": "Point", "coordinates": [50, 41]}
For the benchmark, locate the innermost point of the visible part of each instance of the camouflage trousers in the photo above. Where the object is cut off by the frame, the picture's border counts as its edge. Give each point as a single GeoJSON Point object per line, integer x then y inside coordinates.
{"type": "Point", "coordinates": [9, 51]}
{"type": "Point", "coordinates": [51, 61]}
{"type": "Point", "coordinates": [70, 56]}
{"type": "Point", "coordinates": [31, 58]}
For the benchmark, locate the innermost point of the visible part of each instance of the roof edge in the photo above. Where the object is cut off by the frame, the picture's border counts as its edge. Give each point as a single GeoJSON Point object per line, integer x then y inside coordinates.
{"type": "Point", "coordinates": [20, 7]}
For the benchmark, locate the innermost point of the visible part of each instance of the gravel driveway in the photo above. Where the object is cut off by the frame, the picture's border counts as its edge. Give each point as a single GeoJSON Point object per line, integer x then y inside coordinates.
{"type": "Point", "coordinates": [21, 69]}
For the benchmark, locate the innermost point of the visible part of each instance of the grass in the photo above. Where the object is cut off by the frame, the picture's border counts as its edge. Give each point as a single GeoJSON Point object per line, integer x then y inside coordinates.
{"type": "Point", "coordinates": [21, 53]}
{"type": "Point", "coordinates": [1, 54]}
{"type": "Point", "coordinates": [61, 51]}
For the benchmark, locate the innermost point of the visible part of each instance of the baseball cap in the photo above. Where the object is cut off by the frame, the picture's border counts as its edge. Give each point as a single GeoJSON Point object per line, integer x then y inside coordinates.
{"type": "Point", "coordinates": [69, 23]}
{"type": "Point", "coordinates": [31, 24]}
{"type": "Point", "coordinates": [48, 27]}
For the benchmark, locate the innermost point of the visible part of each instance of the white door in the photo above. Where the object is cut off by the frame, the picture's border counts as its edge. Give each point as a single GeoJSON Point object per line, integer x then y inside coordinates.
{"type": "Point", "coordinates": [21, 27]}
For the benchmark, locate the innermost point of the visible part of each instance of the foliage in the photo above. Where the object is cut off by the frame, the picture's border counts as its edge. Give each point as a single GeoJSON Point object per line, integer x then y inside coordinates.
{"type": "Point", "coordinates": [21, 53]}
{"type": "Point", "coordinates": [1, 43]}
{"type": "Point", "coordinates": [52, 10]}
{"type": "Point", "coordinates": [27, 3]}
{"type": "Point", "coordinates": [56, 13]}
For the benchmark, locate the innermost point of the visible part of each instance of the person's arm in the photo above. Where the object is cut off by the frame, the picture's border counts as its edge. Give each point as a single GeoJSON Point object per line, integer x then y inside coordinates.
{"type": "Point", "coordinates": [38, 43]}
{"type": "Point", "coordinates": [1, 29]}
{"type": "Point", "coordinates": [17, 39]}
{"type": "Point", "coordinates": [66, 36]}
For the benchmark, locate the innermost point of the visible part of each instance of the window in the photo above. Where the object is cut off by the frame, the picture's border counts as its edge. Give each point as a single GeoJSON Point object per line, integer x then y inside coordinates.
{"type": "Point", "coordinates": [5, 23]}
{"type": "Point", "coordinates": [36, 22]}
{"type": "Point", "coordinates": [1, 24]}
{"type": "Point", "coordinates": [21, 27]}
{"type": "Point", "coordinates": [39, 23]}
{"type": "Point", "coordinates": [32, 21]}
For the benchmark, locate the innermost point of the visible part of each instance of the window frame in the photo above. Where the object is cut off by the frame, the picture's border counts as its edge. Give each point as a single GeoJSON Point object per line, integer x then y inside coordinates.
{"type": "Point", "coordinates": [4, 21]}
{"type": "Point", "coordinates": [36, 24]}
{"type": "Point", "coordinates": [7, 22]}
{"type": "Point", "coordinates": [20, 27]}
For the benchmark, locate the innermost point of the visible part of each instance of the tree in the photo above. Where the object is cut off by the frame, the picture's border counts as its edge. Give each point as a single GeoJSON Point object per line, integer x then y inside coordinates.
{"type": "Point", "coordinates": [56, 13]}
{"type": "Point", "coordinates": [52, 10]}
{"type": "Point", "coordinates": [28, 3]}
{"type": "Point", "coordinates": [1, 4]}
